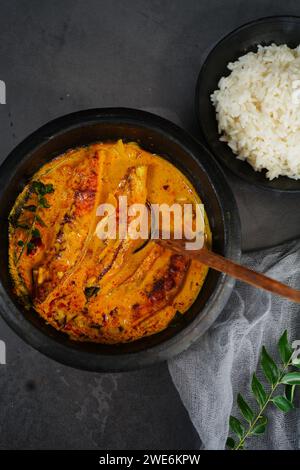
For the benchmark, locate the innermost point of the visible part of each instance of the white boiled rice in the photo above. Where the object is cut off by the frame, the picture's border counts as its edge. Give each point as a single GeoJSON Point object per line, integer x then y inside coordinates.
{"type": "Point", "coordinates": [258, 109]}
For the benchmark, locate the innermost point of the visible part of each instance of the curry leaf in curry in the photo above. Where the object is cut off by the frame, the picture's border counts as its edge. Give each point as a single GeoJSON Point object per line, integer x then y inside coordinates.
{"type": "Point", "coordinates": [276, 377]}
{"type": "Point", "coordinates": [40, 188]}
{"type": "Point", "coordinates": [32, 233]}
{"type": "Point", "coordinates": [91, 291]}
{"type": "Point", "coordinates": [40, 221]}
{"type": "Point", "coordinates": [30, 247]}
{"type": "Point", "coordinates": [31, 208]}
{"type": "Point", "coordinates": [43, 202]}
{"type": "Point", "coordinates": [36, 233]}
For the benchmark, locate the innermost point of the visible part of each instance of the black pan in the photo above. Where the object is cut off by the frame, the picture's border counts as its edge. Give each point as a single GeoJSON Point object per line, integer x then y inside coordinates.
{"type": "Point", "coordinates": [156, 135]}
{"type": "Point", "coordinates": [265, 31]}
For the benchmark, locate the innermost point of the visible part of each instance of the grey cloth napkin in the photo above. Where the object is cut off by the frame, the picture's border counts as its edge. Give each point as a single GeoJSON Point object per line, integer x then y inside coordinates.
{"type": "Point", "coordinates": [219, 365]}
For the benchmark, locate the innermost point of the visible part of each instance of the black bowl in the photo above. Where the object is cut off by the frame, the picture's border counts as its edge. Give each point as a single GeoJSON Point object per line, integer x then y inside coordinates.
{"type": "Point", "coordinates": [278, 30]}
{"type": "Point", "coordinates": [156, 135]}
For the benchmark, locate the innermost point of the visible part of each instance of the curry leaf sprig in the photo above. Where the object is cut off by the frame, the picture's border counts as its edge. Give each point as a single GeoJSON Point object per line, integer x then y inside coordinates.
{"type": "Point", "coordinates": [276, 376]}
{"type": "Point", "coordinates": [32, 233]}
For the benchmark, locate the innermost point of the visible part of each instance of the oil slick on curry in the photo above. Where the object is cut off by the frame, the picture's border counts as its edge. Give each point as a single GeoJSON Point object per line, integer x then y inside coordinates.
{"type": "Point", "coordinates": [106, 291]}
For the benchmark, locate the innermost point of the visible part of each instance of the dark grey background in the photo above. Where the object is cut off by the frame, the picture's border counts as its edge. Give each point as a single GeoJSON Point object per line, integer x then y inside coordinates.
{"type": "Point", "coordinates": [62, 56]}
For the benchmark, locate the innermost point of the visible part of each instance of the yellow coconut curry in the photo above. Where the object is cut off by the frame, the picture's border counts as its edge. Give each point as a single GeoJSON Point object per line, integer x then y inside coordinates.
{"type": "Point", "coordinates": [106, 291]}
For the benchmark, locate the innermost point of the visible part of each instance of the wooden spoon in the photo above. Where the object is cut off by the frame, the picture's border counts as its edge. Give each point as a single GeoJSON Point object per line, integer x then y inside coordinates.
{"type": "Point", "coordinates": [219, 263]}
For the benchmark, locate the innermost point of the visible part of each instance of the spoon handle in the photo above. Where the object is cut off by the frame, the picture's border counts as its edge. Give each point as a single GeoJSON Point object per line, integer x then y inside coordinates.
{"type": "Point", "coordinates": [219, 263]}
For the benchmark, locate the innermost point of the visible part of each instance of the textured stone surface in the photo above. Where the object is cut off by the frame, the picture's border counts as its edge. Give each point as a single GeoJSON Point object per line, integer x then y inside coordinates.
{"type": "Point", "coordinates": [57, 57]}
{"type": "Point", "coordinates": [45, 405]}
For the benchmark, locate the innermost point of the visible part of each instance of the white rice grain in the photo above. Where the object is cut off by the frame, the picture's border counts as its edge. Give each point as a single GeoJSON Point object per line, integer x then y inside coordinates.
{"type": "Point", "coordinates": [258, 110]}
